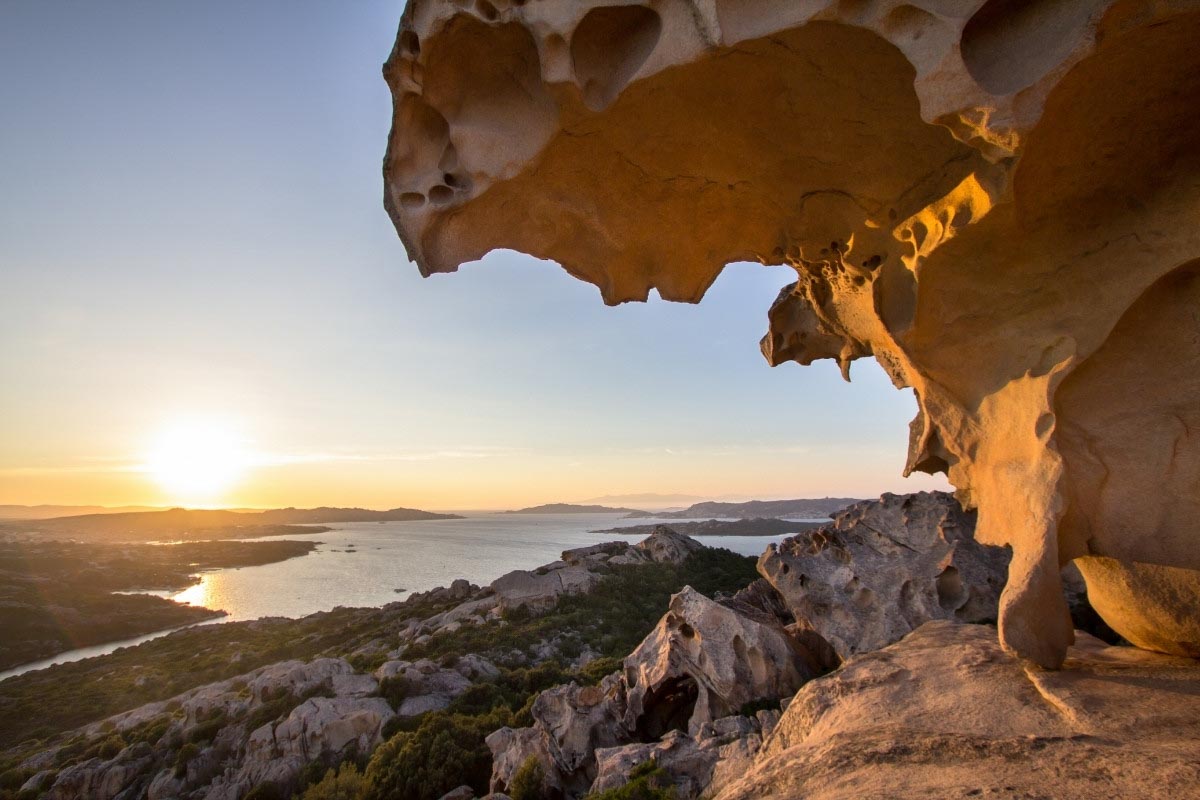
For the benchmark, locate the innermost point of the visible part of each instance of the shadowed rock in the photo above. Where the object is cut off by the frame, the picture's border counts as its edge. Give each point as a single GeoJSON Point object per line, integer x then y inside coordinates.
{"type": "Point", "coordinates": [884, 568]}
{"type": "Point", "coordinates": [996, 200]}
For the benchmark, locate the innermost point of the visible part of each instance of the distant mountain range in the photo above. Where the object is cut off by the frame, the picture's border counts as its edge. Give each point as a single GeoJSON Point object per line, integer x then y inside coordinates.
{"type": "Point", "coordinates": [805, 508]}
{"type": "Point", "coordinates": [646, 500]}
{"type": "Point", "coordinates": [187, 523]}
{"type": "Point", "coordinates": [753, 509]}
{"type": "Point", "coordinates": [716, 527]}
{"type": "Point", "coordinates": [575, 508]}
{"type": "Point", "coordinates": [47, 512]}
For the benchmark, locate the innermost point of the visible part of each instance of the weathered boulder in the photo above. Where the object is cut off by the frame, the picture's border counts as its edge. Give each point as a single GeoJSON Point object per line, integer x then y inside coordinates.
{"type": "Point", "coordinates": [704, 661]}
{"type": "Point", "coordinates": [884, 568]}
{"type": "Point", "coordinates": [538, 590]}
{"type": "Point", "coordinates": [429, 686]}
{"type": "Point", "coordinates": [996, 200]}
{"type": "Point", "coordinates": [569, 724]}
{"type": "Point", "coordinates": [946, 713]}
{"type": "Point", "coordinates": [594, 555]}
{"type": "Point", "coordinates": [580, 569]}
{"type": "Point", "coordinates": [668, 547]}
{"type": "Point", "coordinates": [699, 765]}
{"type": "Point", "coordinates": [319, 729]}
{"type": "Point", "coordinates": [100, 778]}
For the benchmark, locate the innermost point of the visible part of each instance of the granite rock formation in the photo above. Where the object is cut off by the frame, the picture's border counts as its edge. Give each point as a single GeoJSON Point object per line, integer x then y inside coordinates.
{"type": "Point", "coordinates": [946, 713]}
{"type": "Point", "coordinates": [884, 568]}
{"type": "Point", "coordinates": [995, 199]}
{"type": "Point", "coordinates": [703, 662]}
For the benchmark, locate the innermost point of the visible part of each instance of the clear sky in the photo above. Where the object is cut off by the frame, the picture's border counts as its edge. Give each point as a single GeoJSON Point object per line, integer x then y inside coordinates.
{"type": "Point", "coordinates": [195, 265]}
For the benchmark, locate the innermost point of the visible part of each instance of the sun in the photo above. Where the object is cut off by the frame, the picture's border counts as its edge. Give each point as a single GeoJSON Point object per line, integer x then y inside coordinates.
{"type": "Point", "coordinates": [196, 461]}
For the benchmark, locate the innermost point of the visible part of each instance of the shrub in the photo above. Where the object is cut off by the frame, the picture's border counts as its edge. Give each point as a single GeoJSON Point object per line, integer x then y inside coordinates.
{"type": "Point", "coordinates": [110, 746]}
{"type": "Point", "coordinates": [394, 689]}
{"type": "Point", "coordinates": [344, 783]}
{"type": "Point", "coordinates": [597, 670]}
{"type": "Point", "coordinates": [185, 754]}
{"type": "Point", "coordinates": [14, 778]}
{"type": "Point", "coordinates": [446, 751]}
{"type": "Point", "coordinates": [647, 781]}
{"type": "Point", "coordinates": [530, 781]}
{"type": "Point", "coordinates": [267, 790]}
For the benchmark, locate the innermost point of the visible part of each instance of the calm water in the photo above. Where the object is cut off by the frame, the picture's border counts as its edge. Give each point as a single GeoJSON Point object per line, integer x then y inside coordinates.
{"type": "Point", "coordinates": [391, 556]}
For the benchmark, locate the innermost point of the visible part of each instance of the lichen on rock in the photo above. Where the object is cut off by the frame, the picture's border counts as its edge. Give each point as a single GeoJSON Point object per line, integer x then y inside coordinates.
{"type": "Point", "coordinates": [996, 200]}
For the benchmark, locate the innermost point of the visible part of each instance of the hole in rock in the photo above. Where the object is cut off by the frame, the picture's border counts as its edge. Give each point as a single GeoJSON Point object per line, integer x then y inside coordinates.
{"type": "Point", "coordinates": [410, 43]}
{"type": "Point", "coordinates": [687, 630]}
{"type": "Point", "coordinates": [487, 10]}
{"type": "Point", "coordinates": [668, 708]}
{"type": "Point", "coordinates": [950, 591]}
{"type": "Point", "coordinates": [1010, 44]}
{"type": "Point", "coordinates": [412, 200]}
{"type": "Point", "coordinates": [441, 195]}
{"type": "Point", "coordinates": [609, 47]}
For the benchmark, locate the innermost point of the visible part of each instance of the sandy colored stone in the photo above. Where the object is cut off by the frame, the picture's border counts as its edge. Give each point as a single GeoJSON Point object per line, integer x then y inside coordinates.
{"type": "Point", "coordinates": [946, 713]}
{"type": "Point", "coordinates": [995, 200]}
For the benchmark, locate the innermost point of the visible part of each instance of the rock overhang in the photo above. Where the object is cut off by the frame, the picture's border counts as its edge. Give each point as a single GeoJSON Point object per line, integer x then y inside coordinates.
{"type": "Point", "coordinates": [993, 199]}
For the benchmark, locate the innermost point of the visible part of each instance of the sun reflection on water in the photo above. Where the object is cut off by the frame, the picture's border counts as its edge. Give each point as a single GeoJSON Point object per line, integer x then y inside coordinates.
{"type": "Point", "coordinates": [199, 595]}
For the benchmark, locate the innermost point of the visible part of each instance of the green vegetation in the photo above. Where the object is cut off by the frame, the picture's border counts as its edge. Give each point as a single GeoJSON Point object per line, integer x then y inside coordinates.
{"type": "Point", "coordinates": [423, 761]}
{"type": "Point", "coordinates": [55, 596]}
{"type": "Point", "coordinates": [343, 783]}
{"type": "Point", "coordinates": [530, 781]}
{"type": "Point", "coordinates": [647, 781]}
{"type": "Point", "coordinates": [445, 751]}
{"type": "Point", "coordinates": [423, 757]}
{"type": "Point", "coordinates": [39, 705]}
{"type": "Point", "coordinates": [612, 619]}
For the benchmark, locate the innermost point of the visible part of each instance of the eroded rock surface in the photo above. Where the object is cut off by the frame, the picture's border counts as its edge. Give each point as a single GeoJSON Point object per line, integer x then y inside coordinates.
{"type": "Point", "coordinates": [996, 200]}
{"type": "Point", "coordinates": [703, 662]}
{"type": "Point", "coordinates": [884, 568]}
{"type": "Point", "coordinates": [946, 713]}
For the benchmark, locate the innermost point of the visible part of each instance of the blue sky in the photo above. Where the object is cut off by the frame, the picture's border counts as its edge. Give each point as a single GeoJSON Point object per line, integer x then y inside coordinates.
{"type": "Point", "coordinates": [191, 228]}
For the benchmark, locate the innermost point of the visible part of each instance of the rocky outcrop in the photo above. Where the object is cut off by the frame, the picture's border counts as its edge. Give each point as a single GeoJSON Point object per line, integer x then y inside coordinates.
{"type": "Point", "coordinates": [699, 765]}
{"type": "Point", "coordinates": [430, 687]}
{"type": "Point", "coordinates": [579, 569]}
{"type": "Point", "coordinates": [996, 200]}
{"type": "Point", "coordinates": [665, 546]}
{"type": "Point", "coordinates": [702, 662]}
{"type": "Point", "coordinates": [884, 568]}
{"type": "Point", "coordinates": [946, 713]}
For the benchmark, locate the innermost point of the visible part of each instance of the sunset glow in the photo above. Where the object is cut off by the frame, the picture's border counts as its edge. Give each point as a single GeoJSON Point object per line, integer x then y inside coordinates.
{"type": "Point", "coordinates": [197, 462]}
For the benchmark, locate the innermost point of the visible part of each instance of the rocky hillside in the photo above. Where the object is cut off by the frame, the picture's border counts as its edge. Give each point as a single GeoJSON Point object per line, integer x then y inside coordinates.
{"type": "Point", "coordinates": [856, 662]}
{"type": "Point", "coordinates": [463, 659]}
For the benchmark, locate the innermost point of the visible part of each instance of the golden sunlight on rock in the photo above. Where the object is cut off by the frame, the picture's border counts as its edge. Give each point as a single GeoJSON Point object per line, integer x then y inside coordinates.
{"type": "Point", "coordinates": [997, 200]}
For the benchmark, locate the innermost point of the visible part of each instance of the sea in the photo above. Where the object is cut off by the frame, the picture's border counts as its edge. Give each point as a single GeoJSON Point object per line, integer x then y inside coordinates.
{"type": "Point", "coordinates": [375, 563]}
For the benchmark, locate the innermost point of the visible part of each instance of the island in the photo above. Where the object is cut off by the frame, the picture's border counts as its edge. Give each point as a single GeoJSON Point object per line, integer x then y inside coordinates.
{"type": "Point", "coordinates": [575, 508]}
{"type": "Point", "coordinates": [716, 527]}
{"type": "Point", "coordinates": [809, 508]}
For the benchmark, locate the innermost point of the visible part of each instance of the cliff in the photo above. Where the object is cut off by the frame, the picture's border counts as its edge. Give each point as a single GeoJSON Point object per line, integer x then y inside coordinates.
{"type": "Point", "coordinates": [996, 200]}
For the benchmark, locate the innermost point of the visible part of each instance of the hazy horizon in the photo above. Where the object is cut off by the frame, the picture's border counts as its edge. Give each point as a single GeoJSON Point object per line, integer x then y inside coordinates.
{"type": "Point", "coordinates": [203, 303]}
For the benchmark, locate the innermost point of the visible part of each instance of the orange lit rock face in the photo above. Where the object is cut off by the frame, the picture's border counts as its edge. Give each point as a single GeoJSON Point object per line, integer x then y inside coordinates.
{"type": "Point", "coordinates": [998, 201]}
